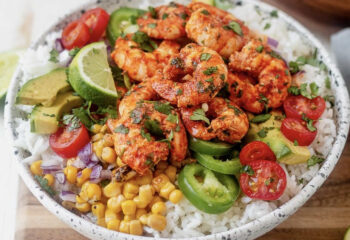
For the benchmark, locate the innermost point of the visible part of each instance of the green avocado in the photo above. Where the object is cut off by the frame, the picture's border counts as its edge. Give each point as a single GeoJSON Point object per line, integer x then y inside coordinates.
{"type": "Point", "coordinates": [269, 132]}
{"type": "Point", "coordinates": [45, 120]}
{"type": "Point", "coordinates": [44, 89]}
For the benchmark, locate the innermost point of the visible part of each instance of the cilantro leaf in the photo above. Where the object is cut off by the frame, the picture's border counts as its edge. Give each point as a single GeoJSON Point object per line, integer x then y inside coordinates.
{"type": "Point", "coordinates": [261, 118]}
{"type": "Point", "coordinates": [274, 13]}
{"type": "Point", "coordinates": [121, 129]}
{"type": "Point", "coordinates": [199, 115]}
{"type": "Point", "coordinates": [173, 118]}
{"type": "Point", "coordinates": [314, 160]}
{"type": "Point", "coordinates": [234, 26]}
{"type": "Point", "coordinates": [248, 170]}
{"type": "Point", "coordinates": [74, 51]}
{"type": "Point", "coordinates": [53, 56]}
{"type": "Point", "coordinates": [152, 11]}
{"type": "Point", "coordinates": [71, 121]}
{"type": "Point", "coordinates": [259, 49]}
{"type": "Point", "coordinates": [309, 123]}
{"type": "Point", "coordinates": [136, 115]}
{"type": "Point", "coordinates": [45, 185]}
{"type": "Point", "coordinates": [210, 70]}
{"type": "Point", "coordinates": [267, 26]}
{"type": "Point", "coordinates": [162, 107]}
{"type": "Point", "coordinates": [144, 41]}
{"type": "Point", "coordinates": [205, 56]}
{"type": "Point", "coordinates": [153, 126]}
{"type": "Point", "coordinates": [145, 135]}
{"type": "Point", "coordinates": [328, 83]}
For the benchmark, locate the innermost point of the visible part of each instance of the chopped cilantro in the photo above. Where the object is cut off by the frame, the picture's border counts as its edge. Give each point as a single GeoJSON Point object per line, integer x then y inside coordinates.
{"type": "Point", "coordinates": [205, 12]}
{"type": "Point", "coordinates": [163, 107]}
{"type": "Point", "coordinates": [236, 109]}
{"type": "Point", "coordinates": [210, 70]}
{"type": "Point", "coordinates": [328, 83]}
{"type": "Point", "coordinates": [247, 169]}
{"type": "Point", "coordinates": [267, 26]}
{"type": "Point", "coordinates": [234, 26]}
{"type": "Point", "coordinates": [45, 185]}
{"type": "Point", "coordinates": [179, 92]}
{"type": "Point", "coordinates": [74, 51]}
{"type": "Point", "coordinates": [71, 121]}
{"type": "Point", "coordinates": [205, 56]}
{"type": "Point", "coordinates": [222, 77]}
{"type": "Point", "coordinates": [199, 115]}
{"type": "Point", "coordinates": [136, 115]}
{"type": "Point", "coordinates": [274, 13]}
{"type": "Point", "coordinates": [262, 133]}
{"type": "Point", "coordinates": [183, 15]}
{"type": "Point", "coordinates": [173, 118]}
{"type": "Point", "coordinates": [165, 15]}
{"type": "Point", "coordinates": [145, 134]}
{"type": "Point", "coordinates": [209, 79]}
{"type": "Point", "coordinates": [152, 11]}
{"type": "Point", "coordinates": [152, 25]}
{"type": "Point", "coordinates": [121, 129]}
{"type": "Point", "coordinates": [261, 118]}
{"type": "Point", "coordinates": [314, 160]}
{"type": "Point", "coordinates": [296, 143]}
{"type": "Point", "coordinates": [309, 123]}
{"type": "Point", "coordinates": [314, 88]}
{"type": "Point", "coordinates": [144, 41]}
{"type": "Point", "coordinates": [153, 126]}
{"type": "Point", "coordinates": [259, 49]}
{"type": "Point", "coordinates": [53, 56]}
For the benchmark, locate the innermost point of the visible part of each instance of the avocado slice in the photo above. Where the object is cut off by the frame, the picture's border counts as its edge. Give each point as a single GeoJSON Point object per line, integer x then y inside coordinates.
{"type": "Point", "coordinates": [44, 89]}
{"type": "Point", "coordinates": [284, 149]}
{"type": "Point", "coordinates": [45, 120]}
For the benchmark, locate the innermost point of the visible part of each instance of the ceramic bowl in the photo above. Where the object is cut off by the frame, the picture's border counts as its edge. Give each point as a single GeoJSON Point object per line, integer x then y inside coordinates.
{"type": "Point", "coordinates": [248, 231]}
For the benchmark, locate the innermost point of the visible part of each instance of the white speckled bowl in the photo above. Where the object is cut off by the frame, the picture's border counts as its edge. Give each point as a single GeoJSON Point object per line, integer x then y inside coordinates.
{"type": "Point", "coordinates": [248, 231]}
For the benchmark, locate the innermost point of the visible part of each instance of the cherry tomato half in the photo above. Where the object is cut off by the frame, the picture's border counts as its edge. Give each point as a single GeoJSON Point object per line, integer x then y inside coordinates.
{"type": "Point", "coordinates": [76, 34]}
{"type": "Point", "coordinates": [295, 106]}
{"type": "Point", "coordinates": [68, 143]}
{"type": "Point", "coordinates": [296, 130]}
{"type": "Point", "coordinates": [256, 150]}
{"type": "Point", "coordinates": [268, 181]}
{"type": "Point", "coordinates": [97, 20]}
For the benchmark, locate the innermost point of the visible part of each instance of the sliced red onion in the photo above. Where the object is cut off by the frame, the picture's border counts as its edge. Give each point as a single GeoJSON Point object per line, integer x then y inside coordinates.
{"type": "Point", "coordinates": [106, 174]}
{"type": "Point", "coordinates": [85, 153]}
{"type": "Point", "coordinates": [69, 62]}
{"type": "Point", "coordinates": [111, 166]}
{"type": "Point", "coordinates": [79, 163]}
{"type": "Point", "coordinates": [58, 45]}
{"type": "Point", "coordinates": [79, 174]}
{"type": "Point", "coordinates": [68, 196]}
{"type": "Point", "coordinates": [60, 177]}
{"type": "Point", "coordinates": [94, 158]}
{"type": "Point", "coordinates": [91, 164]}
{"type": "Point", "coordinates": [96, 172]}
{"type": "Point", "coordinates": [272, 42]}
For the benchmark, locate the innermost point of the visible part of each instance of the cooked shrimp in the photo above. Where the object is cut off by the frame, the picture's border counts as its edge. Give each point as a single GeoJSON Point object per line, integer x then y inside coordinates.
{"type": "Point", "coordinates": [169, 22]}
{"type": "Point", "coordinates": [217, 29]}
{"type": "Point", "coordinates": [138, 64]}
{"type": "Point", "coordinates": [271, 73]}
{"type": "Point", "coordinates": [209, 74]}
{"type": "Point", "coordinates": [134, 136]}
{"type": "Point", "coordinates": [229, 124]}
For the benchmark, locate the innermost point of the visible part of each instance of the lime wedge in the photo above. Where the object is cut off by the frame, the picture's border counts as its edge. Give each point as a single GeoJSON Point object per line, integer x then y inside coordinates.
{"type": "Point", "coordinates": [91, 77]}
{"type": "Point", "coordinates": [8, 64]}
{"type": "Point", "coordinates": [347, 234]}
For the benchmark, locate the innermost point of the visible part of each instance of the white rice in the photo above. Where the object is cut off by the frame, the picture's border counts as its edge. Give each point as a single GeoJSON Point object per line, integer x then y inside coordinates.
{"type": "Point", "coordinates": [183, 219]}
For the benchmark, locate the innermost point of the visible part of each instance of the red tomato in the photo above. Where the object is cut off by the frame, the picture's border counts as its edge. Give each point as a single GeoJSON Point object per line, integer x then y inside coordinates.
{"type": "Point", "coordinates": [97, 20]}
{"type": "Point", "coordinates": [76, 34]}
{"type": "Point", "coordinates": [268, 181]}
{"type": "Point", "coordinates": [295, 129]}
{"type": "Point", "coordinates": [68, 143]}
{"type": "Point", "coordinates": [295, 106]}
{"type": "Point", "coordinates": [256, 150]}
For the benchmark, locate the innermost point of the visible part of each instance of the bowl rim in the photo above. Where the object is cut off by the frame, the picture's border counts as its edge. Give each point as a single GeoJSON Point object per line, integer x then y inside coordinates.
{"type": "Point", "coordinates": [264, 223]}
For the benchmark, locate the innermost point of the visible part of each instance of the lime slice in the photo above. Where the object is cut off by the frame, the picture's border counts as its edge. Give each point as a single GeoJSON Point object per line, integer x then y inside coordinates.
{"type": "Point", "coordinates": [91, 76]}
{"type": "Point", "coordinates": [347, 234]}
{"type": "Point", "coordinates": [8, 64]}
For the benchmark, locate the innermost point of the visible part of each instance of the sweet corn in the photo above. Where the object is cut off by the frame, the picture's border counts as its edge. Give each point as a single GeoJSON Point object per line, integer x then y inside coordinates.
{"type": "Point", "coordinates": [157, 172]}
{"type": "Point", "coordinates": [97, 148]}
{"type": "Point", "coordinates": [124, 227]}
{"type": "Point", "coordinates": [140, 203]}
{"type": "Point", "coordinates": [96, 128]}
{"type": "Point", "coordinates": [130, 188]}
{"type": "Point", "coordinates": [175, 196]}
{"type": "Point", "coordinates": [83, 207]}
{"type": "Point", "coordinates": [157, 222]}
{"type": "Point", "coordinates": [129, 217]}
{"type": "Point", "coordinates": [110, 215]}
{"type": "Point", "coordinates": [146, 193]}
{"type": "Point", "coordinates": [162, 165]}
{"type": "Point", "coordinates": [113, 224]}
{"type": "Point", "coordinates": [171, 173]}
{"type": "Point", "coordinates": [144, 218]}
{"type": "Point", "coordinates": [98, 209]}
{"type": "Point", "coordinates": [135, 227]}
{"type": "Point", "coordinates": [113, 189]}
{"type": "Point", "coordinates": [71, 161]}
{"type": "Point", "coordinates": [108, 155]}
{"type": "Point", "coordinates": [35, 167]}
{"type": "Point", "coordinates": [144, 179]}
{"type": "Point", "coordinates": [79, 199]}
{"type": "Point", "coordinates": [155, 200]}
{"type": "Point", "coordinates": [101, 222]}
{"type": "Point", "coordinates": [97, 137]}
{"type": "Point", "coordinates": [85, 175]}
{"type": "Point", "coordinates": [140, 212]}
{"type": "Point", "coordinates": [71, 174]}
{"type": "Point", "coordinates": [50, 179]}
{"type": "Point", "coordinates": [128, 207]}
{"type": "Point", "coordinates": [129, 196]}
{"type": "Point", "coordinates": [166, 190]}
{"type": "Point", "coordinates": [108, 140]}
{"type": "Point", "coordinates": [160, 181]}
{"type": "Point", "coordinates": [120, 162]}
{"type": "Point", "coordinates": [114, 203]}
{"type": "Point", "coordinates": [159, 208]}
{"type": "Point", "coordinates": [104, 129]}
{"type": "Point", "coordinates": [94, 192]}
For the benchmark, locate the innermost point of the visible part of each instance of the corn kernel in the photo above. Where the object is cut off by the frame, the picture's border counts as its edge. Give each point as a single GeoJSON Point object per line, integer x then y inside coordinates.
{"type": "Point", "coordinates": [159, 208]}
{"type": "Point", "coordinates": [104, 129]}
{"type": "Point", "coordinates": [71, 174]}
{"type": "Point", "coordinates": [82, 207]}
{"type": "Point", "coordinates": [35, 167]}
{"type": "Point", "coordinates": [101, 222]}
{"type": "Point", "coordinates": [155, 200]}
{"type": "Point", "coordinates": [128, 207]}
{"type": "Point", "coordinates": [129, 217]}
{"type": "Point", "coordinates": [157, 222]}
{"type": "Point", "coordinates": [129, 196]}
{"type": "Point", "coordinates": [130, 188]}
{"type": "Point", "coordinates": [160, 181]}
{"type": "Point", "coordinates": [97, 148]}
{"type": "Point", "coordinates": [139, 203]}
{"type": "Point", "coordinates": [79, 199]}
{"type": "Point", "coordinates": [113, 224]}
{"type": "Point", "coordinates": [114, 203]}
{"type": "Point", "coordinates": [97, 137]}
{"type": "Point", "coordinates": [120, 162]}
{"type": "Point", "coordinates": [140, 212]}
{"type": "Point", "coordinates": [108, 155]}
{"type": "Point", "coordinates": [113, 189]}
{"type": "Point", "coordinates": [50, 179]}
{"type": "Point", "coordinates": [175, 196]}
{"type": "Point", "coordinates": [85, 175]}
{"type": "Point", "coordinates": [135, 227]}
{"type": "Point", "coordinates": [110, 215]}
{"type": "Point", "coordinates": [144, 218]}
{"type": "Point", "coordinates": [146, 193]}
{"type": "Point", "coordinates": [98, 209]}
{"type": "Point", "coordinates": [144, 179]}
{"type": "Point", "coordinates": [96, 128]}
{"type": "Point", "coordinates": [94, 192]}
{"type": "Point", "coordinates": [171, 173]}
{"type": "Point", "coordinates": [108, 140]}
{"type": "Point", "coordinates": [124, 227]}
{"type": "Point", "coordinates": [166, 190]}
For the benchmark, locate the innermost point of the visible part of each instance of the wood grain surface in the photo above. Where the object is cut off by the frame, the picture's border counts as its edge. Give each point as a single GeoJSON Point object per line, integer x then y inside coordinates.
{"type": "Point", "coordinates": [325, 216]}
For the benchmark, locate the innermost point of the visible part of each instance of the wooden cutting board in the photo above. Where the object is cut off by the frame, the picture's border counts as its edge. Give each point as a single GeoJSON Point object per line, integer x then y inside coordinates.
{"type": "Point", "coordinates": [325, 216]}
